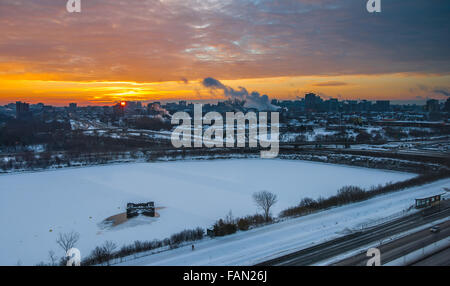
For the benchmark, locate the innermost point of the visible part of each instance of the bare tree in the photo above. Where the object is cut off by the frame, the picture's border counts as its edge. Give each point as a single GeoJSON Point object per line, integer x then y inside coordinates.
{"type": "Point", "coordinates": [67, 240]}
{"type": "Point", "coordinates": [53, 258]}
{"type": "Point", "coordinates": [229, 217]}
{"type": "Point", "coordinates": [108, 249]}
{"type": "Point", "coordinates": [265, 200]}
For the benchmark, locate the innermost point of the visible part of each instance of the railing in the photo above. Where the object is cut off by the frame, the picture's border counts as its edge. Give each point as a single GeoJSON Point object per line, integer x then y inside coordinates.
{"type": "Point", "coordinates": [384, 219]}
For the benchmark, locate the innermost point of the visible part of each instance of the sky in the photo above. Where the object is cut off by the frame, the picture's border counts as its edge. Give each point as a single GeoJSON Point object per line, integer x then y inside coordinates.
{"type": "Point", "coordinates": [162, 50]}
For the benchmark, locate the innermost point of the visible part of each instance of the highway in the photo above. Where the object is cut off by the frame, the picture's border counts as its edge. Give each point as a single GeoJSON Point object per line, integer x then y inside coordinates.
{"type": "Point", "coordinates": [356, 240]}
{"type": "Point", "coordinates": [441, 258]}
{"type": "Point", "coordinates": [402, 246]}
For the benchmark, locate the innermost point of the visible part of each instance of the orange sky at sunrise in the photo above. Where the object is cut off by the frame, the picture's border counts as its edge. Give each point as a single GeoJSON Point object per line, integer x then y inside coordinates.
{"type": "Point", "coordinates": [392, 87]}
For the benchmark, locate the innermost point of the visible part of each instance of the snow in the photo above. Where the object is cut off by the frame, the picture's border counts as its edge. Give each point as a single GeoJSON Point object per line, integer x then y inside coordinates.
{"type": "Point", "coordinates": [261, 244]}
{"type": "Point", "coordinates": [35, 207]}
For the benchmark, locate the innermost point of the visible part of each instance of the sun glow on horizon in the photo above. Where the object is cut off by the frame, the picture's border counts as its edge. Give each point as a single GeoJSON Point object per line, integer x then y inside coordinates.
{"type": "Point", "coordinates": [371, 87]}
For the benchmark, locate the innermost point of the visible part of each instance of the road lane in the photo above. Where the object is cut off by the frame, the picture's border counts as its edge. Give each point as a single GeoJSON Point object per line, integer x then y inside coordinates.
{"type": "Point", "coordinates": [333, 248]}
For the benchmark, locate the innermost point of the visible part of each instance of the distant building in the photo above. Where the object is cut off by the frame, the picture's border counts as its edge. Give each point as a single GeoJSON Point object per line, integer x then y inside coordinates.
{"type": "Point", "coordinates": [447, 105]}
{"type": "Point", "coordinates": [153, 105]}
{"type": "Point", "coordinates": [382, 105]}
{"type": "Point", "coordinates": [428, 201]}
{"type": "Point", "coordinates": [22, 109]}
{"type": "Point", "coordinates": [72, 106]}
{"type": "Point", "coordinates": [351, 106]}
{"type": "Point", "coordinates": [147, 209]}
{"type": "Point", "coordinates": [365, 105]}
{"type": "Point", "coordinates": [40, 105]}
{"type": "Point", "coordinates": [432, 105]}
{"type": "Point", "coordinates": [310, 102]}
{"type": "Point", "coordinates": [119, 108]}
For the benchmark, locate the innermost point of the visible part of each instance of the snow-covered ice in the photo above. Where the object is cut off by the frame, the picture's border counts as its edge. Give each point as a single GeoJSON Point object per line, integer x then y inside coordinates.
{"type": "Point", "coordinates": [35, 207]}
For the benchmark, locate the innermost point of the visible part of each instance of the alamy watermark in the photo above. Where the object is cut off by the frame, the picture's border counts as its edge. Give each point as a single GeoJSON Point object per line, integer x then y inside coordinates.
{"type": "Point", "coordinates": [235, 124]}
{"type": "Point", "coordinates": [73, 6]}
{"type": "Point", "coordinates": [73, 256]}
{"type": "Point", "coordinates": [375, 257]}
{"type": "Point", "coordinates": [373, 6]}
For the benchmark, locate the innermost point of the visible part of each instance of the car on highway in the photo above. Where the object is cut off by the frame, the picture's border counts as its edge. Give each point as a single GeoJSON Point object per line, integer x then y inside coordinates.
{"type": "Point", "coordinates": [435, 229]}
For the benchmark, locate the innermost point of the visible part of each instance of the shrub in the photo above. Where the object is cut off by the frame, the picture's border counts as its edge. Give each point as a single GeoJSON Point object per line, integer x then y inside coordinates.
{"type": "Point", "coordinates": [243, 224]}
{"type": "Point", "coordinates": [222, 228]}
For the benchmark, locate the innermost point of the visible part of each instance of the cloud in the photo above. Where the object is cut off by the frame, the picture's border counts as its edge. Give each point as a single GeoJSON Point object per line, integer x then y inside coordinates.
{"type": "Point", "coordinates": [153, 40]}
{"type": "Point", "coordinates": [444, 92]}
{"type": "Point", "coordinates": [427, 90]}
{"type": "Point", "coordinates": [330, 83]}
{"type": "Point", "coordinates": [252, 100]}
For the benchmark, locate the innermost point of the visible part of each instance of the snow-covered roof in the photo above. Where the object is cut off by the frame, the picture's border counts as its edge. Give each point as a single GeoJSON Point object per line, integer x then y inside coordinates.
{"type": "Point", "coordinates": [431, 195]}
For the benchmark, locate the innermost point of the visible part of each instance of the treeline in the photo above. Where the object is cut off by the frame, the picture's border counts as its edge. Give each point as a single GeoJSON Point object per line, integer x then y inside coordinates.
{"type": "Point", "coordinates": [18, 133]}
{"type": "Point", "coordinates": [377, 137]}
{"type": "Point", "coordinates": [154, 151]}
{"type": "Point", "coordinates": [77, 143]}
{"type": "Point", "coordinates": [345, 195]}
{"type": "Point", "coordinates": [30, 160]}
{"type": "Point", "coordinates": [107, 252]}
{"type": "Point", "coordinates": [350, 194]}
{"type": "Point", "coordinates": [151, 123]}
{"type": "Point", "coordinates": [38, 161]}
{"type": "Point", "coordinates": [400, 132]}
{"type": "Point", "coordinates": [230, 225]}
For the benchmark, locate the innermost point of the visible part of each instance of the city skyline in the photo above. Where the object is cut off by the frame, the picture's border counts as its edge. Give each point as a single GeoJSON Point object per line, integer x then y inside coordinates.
{"type": "Point", "coordinates": [327, 104]}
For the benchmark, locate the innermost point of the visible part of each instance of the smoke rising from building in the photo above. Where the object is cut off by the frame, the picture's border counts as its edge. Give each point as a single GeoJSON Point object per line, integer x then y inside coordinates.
{"type": "Point", "coordinates": [252, 100]}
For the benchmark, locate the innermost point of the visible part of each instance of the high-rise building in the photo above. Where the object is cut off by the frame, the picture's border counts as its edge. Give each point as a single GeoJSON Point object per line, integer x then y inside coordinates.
{"type": "Point", "coordinates": [432, 105]}
{"type": "Point", "coordinates": [365, 105]}
{"type": "Point", "coordinates": [382, 105]}
{"type": "Point", "coordinates": [22, 109]}
{"type": "Point", "coordinates": [447, 105]}
{"type": "Point", "coordinates": [332, 105]}
{"type": "Point", "coordinates": [310, 102]}
{"type": "Point", "coordinates": [72, 106]}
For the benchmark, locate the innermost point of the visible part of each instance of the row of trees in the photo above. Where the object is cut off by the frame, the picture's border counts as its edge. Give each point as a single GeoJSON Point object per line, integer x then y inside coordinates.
{"type": "Point", "coordinates": [350, 194]}
{"type": "Point", "coordinates": [18, 135]}
{"type": "Point", "coordinates": [264, 200]}
{"type": "Point", "coordinates": [230, 225]}
{"type": "Point", "coordinates": [19, 132]}
{"type": "Point", "coordinates": [345, 195]}
{"type": "Point", "coordinates": [109, 250]}
{"type": "Point", "coordinates": [151, 123]}
{"type": "Point", "coordinates": [42, 160]}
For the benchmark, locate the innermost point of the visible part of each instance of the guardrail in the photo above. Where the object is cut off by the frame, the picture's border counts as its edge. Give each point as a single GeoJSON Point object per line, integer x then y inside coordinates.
{"type": "Point", "coordinates": [392, 217]}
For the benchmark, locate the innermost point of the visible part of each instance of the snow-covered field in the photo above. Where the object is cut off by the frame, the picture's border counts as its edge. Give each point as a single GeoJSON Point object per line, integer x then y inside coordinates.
{"type": "Point", "coordinates": [35, 207]}
{"type": "Point", "coordinates": [261, 244]}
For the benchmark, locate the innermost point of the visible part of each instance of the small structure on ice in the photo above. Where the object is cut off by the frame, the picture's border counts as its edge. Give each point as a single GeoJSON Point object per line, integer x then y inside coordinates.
{"type": "Point", "coordinates": [147, 209]}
